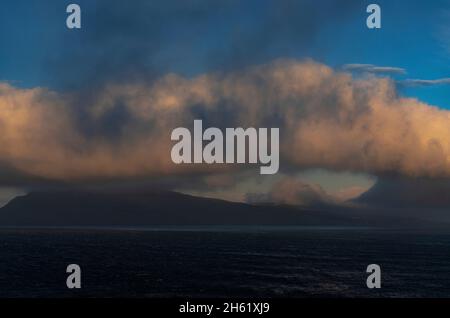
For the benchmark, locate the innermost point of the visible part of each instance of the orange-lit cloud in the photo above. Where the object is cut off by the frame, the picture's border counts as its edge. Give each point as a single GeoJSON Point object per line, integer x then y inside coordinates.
{"type": "Point", "coordinates": [326, 118]}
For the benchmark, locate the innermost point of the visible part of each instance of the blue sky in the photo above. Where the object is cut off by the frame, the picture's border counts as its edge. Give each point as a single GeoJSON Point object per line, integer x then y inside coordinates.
{"type": "Point", "coordinates": [413, 37]}
{"type": "Point", "coordinates": [209, 36]}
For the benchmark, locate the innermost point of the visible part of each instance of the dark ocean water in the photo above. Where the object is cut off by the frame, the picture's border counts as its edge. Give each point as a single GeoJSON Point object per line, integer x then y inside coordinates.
{"type": "Point", "coordinates": [224, 262]}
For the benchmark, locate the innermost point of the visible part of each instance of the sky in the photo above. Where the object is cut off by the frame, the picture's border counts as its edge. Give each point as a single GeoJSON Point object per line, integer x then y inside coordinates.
{"type": "Point", "coordinates": [199, 36]}
{"type": "Point", "coordinates": [129, 48]}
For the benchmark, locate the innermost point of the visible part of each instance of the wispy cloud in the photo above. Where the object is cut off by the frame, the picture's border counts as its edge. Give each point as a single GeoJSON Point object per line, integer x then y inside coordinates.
{"type": "Point", "coordinates": [370, 68]}
{"type": "Point", "coordinates": [424, 82]}
{"type": "Point", "coordinates": [392, 70]}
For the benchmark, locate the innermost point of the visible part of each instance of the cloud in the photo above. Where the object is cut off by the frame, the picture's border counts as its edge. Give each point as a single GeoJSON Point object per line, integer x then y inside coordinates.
{"type": "Point", "coordinates": [130, 43]}
{"type": "Point", "coordinates": [7, 194]}
{"type": "Point", "coordinates": [327, 119]}
{"type": "Point", "coordinates": [349, 193]}
{"type": "Point", "coordinates": [370, 68]}
{"type": "Point", "coordinates": [390, 70]}
{"type": "Point", "coordinates": [292, 191]}
{"type": "Point", "coordinates": [150, 38]}
{"type": "Point", "coordinates": [423, 82]}
{"type": "Point", "coordinates": [40, 138]}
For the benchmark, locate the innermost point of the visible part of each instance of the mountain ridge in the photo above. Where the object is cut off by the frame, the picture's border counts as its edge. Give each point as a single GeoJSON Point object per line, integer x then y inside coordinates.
{"type": "Point", "coordinates": [148, 208]}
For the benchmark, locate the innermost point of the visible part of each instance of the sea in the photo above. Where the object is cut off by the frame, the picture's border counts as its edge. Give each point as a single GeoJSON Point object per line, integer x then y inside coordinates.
{"type": "Point", "coordinates": [224, 262]}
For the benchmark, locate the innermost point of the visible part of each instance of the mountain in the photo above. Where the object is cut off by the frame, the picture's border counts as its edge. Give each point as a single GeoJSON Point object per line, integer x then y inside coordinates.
{"type": "Point", "coordinates": [408, 193]}
{"type": "Point", "coordinates": [148, 208]}
{"type": "Point", "coordinates": [137, 208]}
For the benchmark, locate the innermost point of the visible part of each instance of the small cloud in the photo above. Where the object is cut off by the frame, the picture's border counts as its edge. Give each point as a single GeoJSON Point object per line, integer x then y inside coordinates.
{"type": "Point", "coordinates": [9, 193]}
{"type": "Point", "coordinates": [293, 192]}
{"type": "Point", "coordinates": [349, 193]}
{"type": "Point", "coordinates": [370, 68]}
{"type": "Point", "coordinates": [423, 82]}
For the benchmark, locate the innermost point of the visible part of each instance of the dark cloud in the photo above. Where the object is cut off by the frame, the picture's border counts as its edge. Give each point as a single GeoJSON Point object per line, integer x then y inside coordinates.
{"type": "Point", "coordinates": [120, 42]}
{"type": "Point", "coordinates": [286, 28]}
{"type": "Point", "coordinates": [142, 40]}
{"type": "Point", "coordinates": [139, 43]}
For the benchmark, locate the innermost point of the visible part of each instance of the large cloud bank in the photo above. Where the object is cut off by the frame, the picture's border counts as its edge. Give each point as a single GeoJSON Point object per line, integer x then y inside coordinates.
{"type": "Point", "coordinates": [327, 119]}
